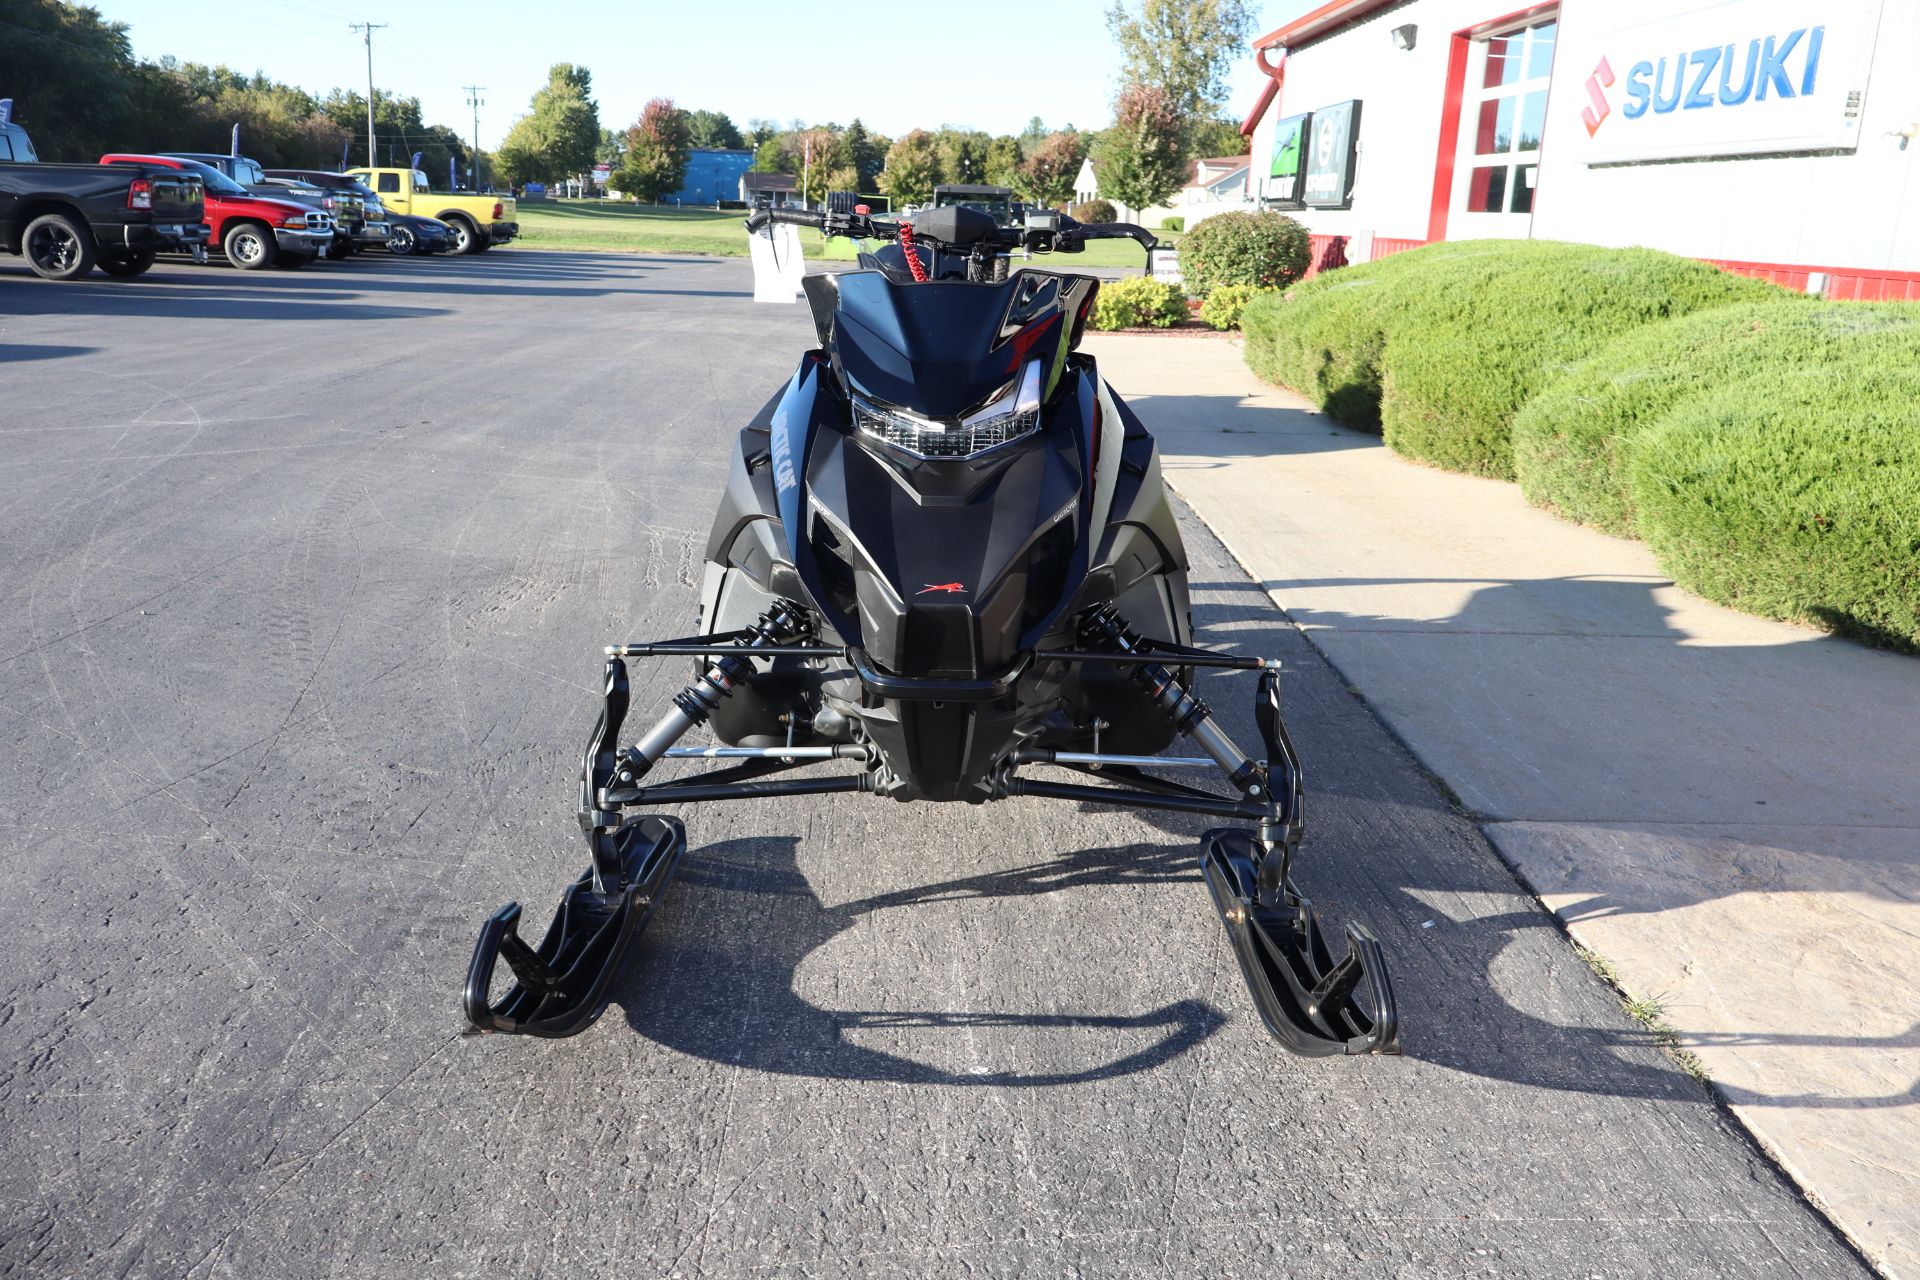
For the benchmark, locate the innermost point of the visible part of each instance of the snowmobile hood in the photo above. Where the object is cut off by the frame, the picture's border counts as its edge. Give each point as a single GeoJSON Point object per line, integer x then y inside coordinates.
{"type": "Point", "coordinates": [944, 348]}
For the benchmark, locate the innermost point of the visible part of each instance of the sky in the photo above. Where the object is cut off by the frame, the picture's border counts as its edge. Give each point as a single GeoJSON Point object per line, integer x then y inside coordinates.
{"type": "Point", "coordinates": [748, 58]}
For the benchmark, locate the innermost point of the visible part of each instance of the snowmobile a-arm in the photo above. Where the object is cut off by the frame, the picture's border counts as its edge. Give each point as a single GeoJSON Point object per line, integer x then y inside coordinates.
{"type": "Point", "coordinates": [1311, 1003]}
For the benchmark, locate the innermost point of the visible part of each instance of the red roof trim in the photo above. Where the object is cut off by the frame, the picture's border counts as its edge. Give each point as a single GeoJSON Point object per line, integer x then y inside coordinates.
{"type": "Point", "coordinates": [1327, 18]}
{"type": "Point", "coordinates": [1268, 92]}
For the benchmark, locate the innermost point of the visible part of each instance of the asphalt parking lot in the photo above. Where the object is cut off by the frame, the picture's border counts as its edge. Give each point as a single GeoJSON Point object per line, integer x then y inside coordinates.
{"type": "Point", "coordinates": [303, 584]}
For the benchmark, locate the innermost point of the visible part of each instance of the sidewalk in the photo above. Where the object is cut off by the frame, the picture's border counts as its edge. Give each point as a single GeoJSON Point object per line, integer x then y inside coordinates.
{"type": "Point", "coordinates": [1725, 808]}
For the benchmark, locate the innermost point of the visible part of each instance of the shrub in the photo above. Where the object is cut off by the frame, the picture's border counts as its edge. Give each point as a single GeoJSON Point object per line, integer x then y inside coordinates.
{"type": "Point", "coordinates": [1175, 223]}
{"type": "Point", "coordinates": [1461, 367]}
{"type": "Point", "coordinates": [1793, 492]}
{"type": "Point", "coordinates": [1567, 440]}
{"type": "Point", "coordinates": [1139, 303]}
{"type": "Point", "coordinates": [1095, 211]}
{"type": "Point", "coordinates": [1225, 305]}
{"type": "Point", "coordinates": [1263, 249]}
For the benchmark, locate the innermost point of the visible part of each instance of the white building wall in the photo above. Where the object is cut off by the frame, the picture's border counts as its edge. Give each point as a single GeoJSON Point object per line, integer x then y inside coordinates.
{"type": "Point", "coordinates": [1400, 94]}
{"type": "Point", "coordinates": [1849, 210]}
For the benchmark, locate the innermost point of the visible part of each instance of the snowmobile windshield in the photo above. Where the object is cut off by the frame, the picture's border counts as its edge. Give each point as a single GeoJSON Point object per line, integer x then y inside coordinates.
{"type": "Point", "coordinates": [946, 349]}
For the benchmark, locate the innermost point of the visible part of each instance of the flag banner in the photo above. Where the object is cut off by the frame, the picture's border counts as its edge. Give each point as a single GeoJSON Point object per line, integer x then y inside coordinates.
{"type": "Point", "coordinates": [236, 139]}
{"type": "Point", "coordinates": [343, 153]}
{"type": "Point", "coordinates": [6, 110]}
{"type": "Point", "coordinates": [453, 183]}
{"type": "Point", "coordinates": [416, 159]}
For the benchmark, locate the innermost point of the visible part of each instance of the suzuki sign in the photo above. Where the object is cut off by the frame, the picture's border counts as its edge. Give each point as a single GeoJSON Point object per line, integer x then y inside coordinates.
{"type": "Point", "coordinates": [1733, 78]}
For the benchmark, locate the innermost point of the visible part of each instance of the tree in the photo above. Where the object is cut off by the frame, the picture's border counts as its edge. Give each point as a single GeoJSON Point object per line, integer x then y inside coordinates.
{"type": "Point", "coordinates": [963, 154]}
{"type": "Point", "coordinates": [912, 170]}
{"type": "Point", "coordinates": [770, 154]}
{"type": "Point", "coordinates": [713, 129]}
{"type": "Point", "coordinates": [559, 136]}
{"type": "Point", "coordinates": [1218, 138]}
{"type": "Point", "coordinates": [1003, 163]}
{"type": "Point", "coordinates": [658, 146]}
{"type": "Point", "coordinates": [1032, 136]}
{"type": "Point", "coordinates": [859, 152]}
{"type": "Point", "coordinates": [1140, 160]}
{"type": "Point", "coordinates": [1048, 174]}
{"type": "Point", "coordinates": [1185, 48]}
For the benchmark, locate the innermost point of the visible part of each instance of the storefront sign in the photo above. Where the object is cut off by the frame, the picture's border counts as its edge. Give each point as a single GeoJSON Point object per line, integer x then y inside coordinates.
{"type": "Point", "coordinates": [1332, 142]}
{"type": "Point", "coordinates": [1287, 170]}
{"type": "Point", "coordinates": [1740, 77]}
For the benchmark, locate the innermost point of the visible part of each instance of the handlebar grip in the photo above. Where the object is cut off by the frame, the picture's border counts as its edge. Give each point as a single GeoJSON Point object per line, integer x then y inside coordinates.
{"type": "Point", "coordinates": [758, 219]}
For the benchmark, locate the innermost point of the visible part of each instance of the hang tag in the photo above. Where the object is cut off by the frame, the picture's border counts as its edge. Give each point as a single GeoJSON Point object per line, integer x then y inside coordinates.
{"type": "Point", "coordinates": [778, 263]}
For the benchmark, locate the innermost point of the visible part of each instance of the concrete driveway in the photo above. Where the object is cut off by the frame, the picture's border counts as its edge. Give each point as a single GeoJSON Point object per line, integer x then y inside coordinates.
{"type": "Point", "coordinates": [303, 585]}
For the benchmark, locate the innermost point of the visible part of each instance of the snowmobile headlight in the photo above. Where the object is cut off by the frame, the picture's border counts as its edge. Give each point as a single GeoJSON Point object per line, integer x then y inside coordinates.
{"type": "Point", "coordinates": [1013, 414]}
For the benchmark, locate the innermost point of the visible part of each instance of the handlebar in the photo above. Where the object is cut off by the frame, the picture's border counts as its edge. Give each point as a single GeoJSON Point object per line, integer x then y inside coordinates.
{"type": "Point", "coordinates": [1067, 237]}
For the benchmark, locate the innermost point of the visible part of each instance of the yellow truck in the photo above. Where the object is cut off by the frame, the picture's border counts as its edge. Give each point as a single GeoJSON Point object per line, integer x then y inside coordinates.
{"type": "Point", "coordinates": [478, 222]}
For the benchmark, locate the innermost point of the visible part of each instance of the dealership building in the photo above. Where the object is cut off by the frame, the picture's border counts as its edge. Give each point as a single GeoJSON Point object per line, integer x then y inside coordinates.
{"type": "Point", "coordinates": [1778, 138]}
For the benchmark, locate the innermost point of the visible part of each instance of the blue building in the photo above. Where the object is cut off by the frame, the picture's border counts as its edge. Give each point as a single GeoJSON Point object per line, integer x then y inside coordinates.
{"type": "Point", "coordinates": [712, 175]}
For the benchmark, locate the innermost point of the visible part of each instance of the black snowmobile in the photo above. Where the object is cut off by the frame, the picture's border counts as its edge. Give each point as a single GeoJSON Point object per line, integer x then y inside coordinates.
{"type": "Point", "coordinates": [944, 557]}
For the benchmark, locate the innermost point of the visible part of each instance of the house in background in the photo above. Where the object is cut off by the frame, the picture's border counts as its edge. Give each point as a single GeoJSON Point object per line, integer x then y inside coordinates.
{"type": "Point", "coordinates": [772, 188]}
{"type": "Point", "coordinates": [1215, 184]}
{"type": "Point", "coordinates": [713, 175]}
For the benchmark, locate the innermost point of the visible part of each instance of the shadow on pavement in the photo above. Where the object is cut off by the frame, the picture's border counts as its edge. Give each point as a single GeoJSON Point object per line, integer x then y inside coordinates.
{"type": "Point", "coordinates": [21, 352]}
{"type": "Point", "coordinates": [736, 1004]}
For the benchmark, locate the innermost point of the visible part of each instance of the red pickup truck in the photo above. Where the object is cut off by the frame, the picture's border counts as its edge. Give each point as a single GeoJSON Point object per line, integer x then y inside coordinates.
{"type": "Point", "coordinates": [253, 231]}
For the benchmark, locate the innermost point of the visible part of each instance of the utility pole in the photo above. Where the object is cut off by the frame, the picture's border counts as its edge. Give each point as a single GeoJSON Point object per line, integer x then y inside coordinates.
{"type": "Point", "coordinates": [475, 101]}
{"type": "Point", "coordinates": [367, 29]}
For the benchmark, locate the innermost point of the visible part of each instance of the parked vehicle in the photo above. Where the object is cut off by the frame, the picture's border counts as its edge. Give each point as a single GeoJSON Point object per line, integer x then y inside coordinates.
{"type": "Point", "coordinates": [252, 231]}
{"type": "Point", "coordinates": [413, 234]}
{"type": "Point", "coordinates": [944, 557]}
{"type": "Point", "coordinates": [67, 219]}
{"type": "Point", "coordinates": [478, 222]}
{"type": "Point", "coordinates": [996, 202]}
{"type": "Point", "coordinates": [346, 207]}
{"type": "Point", "coordinates": [376, 222]}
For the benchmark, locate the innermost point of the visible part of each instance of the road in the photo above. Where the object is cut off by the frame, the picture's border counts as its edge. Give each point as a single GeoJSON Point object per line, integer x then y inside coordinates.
{"type": "Point", "coordinates": [304, 580]}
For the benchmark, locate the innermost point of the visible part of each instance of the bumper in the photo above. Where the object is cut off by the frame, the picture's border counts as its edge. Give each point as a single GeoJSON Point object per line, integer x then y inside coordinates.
{"type": "Point", "coordinates": [501, 232]}
{"type": "Point", "coordinates": [295, 241]}
{"type": "Point", "coordinates": [165, 237]}
{"type": "Point", "coordinates": [373, 233]}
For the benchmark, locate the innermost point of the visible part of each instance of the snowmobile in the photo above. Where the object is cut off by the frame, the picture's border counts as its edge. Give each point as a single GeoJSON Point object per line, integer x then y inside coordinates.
{"type": "Point", "coordinates": [944, 558]}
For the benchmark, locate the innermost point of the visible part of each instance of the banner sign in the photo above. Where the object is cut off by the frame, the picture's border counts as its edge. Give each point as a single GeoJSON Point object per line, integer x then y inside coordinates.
{"type": "Point", "coordinates": [235, 152]}
{"type": "Point", "coordinates": [416, 161]}
{"type": "Point", "coordinates": [1733, 78]}
{"type": "Point", "coordinates": [1287, 168]}
{"type": "Point", "coordinates": [6, 111]}
{"type": "Point", "coordinates": [343, 156]}
{"type": "Point", "coordinates": [1332, 145]}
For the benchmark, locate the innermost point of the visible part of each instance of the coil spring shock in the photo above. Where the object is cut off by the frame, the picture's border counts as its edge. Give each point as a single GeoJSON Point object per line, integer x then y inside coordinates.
{"type": "Point", "coordinates": [700, 699]}
{"type": "Point", "coordinates": [1104, 627]}
{"type": "Point", "coordinates": [912, 255]}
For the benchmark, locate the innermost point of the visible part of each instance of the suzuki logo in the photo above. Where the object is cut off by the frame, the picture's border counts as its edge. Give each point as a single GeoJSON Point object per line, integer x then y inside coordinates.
{"type": "Point", "coordinates": [950, 588]}
{"type": "Point", "coordinates": [1593, 116]}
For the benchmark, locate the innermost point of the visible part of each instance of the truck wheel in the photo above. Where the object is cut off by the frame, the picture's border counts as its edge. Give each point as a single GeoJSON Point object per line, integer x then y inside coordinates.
{"type": "Point", "coordinates": [58, 248]}
{"type": "Point", "coordinates": [292, 261]}
{"type": "Point", "coordinates": [250, 246]}
{"type": "Point", "coordinates": [401, 241]}
{"type": "Point", "coordinates": [126, 265]}
{"type": "Point", "coordinates": [466, 236]}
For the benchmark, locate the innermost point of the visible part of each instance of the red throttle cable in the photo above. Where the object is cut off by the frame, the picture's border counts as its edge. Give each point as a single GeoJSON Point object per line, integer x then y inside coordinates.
{"type": "Point", "coordinates": [913, 257]}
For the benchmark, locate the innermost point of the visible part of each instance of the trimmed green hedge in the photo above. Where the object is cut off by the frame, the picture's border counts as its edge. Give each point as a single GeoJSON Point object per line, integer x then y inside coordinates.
{"type": "Point", "coordinates": [1794, 492]}
{"type": "Point", "coordinates": [1567, 441]}
{"type": "Point", "coordinates": [1441, 346]}
{"type": "Point", "coordinates": [1139, 302]}
{"type": "Point", "coordinates": [1227, 303]}
{"type": "Point", "coordinates": [1265, 249]}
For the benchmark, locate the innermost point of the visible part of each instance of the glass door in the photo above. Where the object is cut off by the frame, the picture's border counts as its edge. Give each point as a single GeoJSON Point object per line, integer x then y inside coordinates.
{"type": "Point", "coordinates": [1502, 114]}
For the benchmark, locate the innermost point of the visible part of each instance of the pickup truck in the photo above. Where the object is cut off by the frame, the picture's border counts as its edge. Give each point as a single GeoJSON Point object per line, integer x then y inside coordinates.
{"type": "Point", "coordinates": [372, 233]}
{"type": "Point", "coordinates": [478, 222]}
{"type": "Point", "coordinates": [345, 207]}
{"type": "Point", "coordinates": [253, 231]}
{"type": "Point", "coordinates": [69, 218]}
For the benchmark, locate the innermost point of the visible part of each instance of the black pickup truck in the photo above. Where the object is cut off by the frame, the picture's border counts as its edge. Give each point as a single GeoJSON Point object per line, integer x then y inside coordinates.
{"type": "Point", "coordinates": [67, 219]}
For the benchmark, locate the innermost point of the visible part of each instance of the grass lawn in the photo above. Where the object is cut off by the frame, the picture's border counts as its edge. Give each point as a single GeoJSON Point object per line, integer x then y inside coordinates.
{"type": "Point", "coordinates": [633, 228]}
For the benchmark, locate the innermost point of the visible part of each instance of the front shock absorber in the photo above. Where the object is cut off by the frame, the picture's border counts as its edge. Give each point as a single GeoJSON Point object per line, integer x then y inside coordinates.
{"type": "Point", "coordinates": [1104, 628]}
{"type": "Point", "coordinates": [781, 624]}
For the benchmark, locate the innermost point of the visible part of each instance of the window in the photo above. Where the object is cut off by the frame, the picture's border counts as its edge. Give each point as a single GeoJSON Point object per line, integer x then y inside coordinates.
{"type": "Point", "coordinates": [1507, 110]}
{"type": "Point", "coordinates": [248, 174]}
{"type": "Point", "coordinates": [6, 148]}
{"type": "Point", "coordinates": [389, 182]}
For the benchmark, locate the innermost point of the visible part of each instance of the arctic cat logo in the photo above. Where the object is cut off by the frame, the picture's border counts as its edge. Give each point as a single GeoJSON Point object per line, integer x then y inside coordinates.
{"type": "Point", "coordinates": [950, 588]}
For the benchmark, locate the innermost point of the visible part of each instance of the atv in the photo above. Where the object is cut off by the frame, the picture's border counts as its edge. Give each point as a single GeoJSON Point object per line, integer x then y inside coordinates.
{"type": "Point", "coordinates": [944, 559]}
